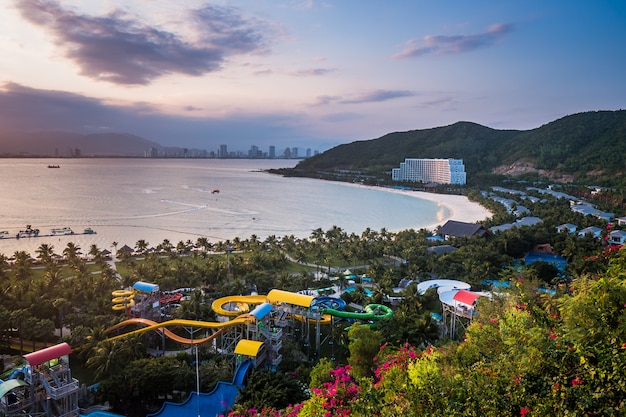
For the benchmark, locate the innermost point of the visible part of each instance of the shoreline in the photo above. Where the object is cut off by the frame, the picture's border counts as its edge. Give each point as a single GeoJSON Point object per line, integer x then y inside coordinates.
{"type": "Point", "coordinates": [459, 206]}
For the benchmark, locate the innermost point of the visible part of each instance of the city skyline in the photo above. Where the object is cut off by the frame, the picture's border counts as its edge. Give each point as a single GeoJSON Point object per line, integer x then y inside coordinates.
{"type": "Point", "coordinates": [311, 74]}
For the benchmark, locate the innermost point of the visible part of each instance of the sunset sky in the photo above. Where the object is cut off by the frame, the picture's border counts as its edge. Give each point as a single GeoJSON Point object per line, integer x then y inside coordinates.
{"type": "Point", "coordinates": [309, 74]}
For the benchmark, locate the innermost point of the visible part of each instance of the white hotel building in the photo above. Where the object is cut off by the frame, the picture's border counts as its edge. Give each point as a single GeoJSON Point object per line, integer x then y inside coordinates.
{"type": "Point", "coordinates": [441, 171]}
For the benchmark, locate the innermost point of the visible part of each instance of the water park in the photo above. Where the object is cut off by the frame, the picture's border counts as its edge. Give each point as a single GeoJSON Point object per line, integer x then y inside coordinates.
{"type": "Point", "coordinates": [250, 330]}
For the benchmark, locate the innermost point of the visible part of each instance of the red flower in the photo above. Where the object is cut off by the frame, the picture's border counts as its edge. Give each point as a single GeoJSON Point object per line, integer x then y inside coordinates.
{"type": "Point", "coordinates": [577, 381]}
{"type": "Point", "coordinates": [524, 411]}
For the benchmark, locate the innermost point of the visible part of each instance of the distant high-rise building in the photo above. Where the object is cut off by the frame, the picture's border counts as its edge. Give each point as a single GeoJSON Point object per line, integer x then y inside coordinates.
{"type": "Point", "coordinates": [441, 171]}
{"type": "Point", "coordinates": [287, 153]}
{"type": "Point", "coordinates": [223, 153]}
{"type": "Point", "coordinates": [308, 152]}
{"type": "Point", "coordinates": [294, 152]}
{"type": "Point", "coordinates": [272, 151]}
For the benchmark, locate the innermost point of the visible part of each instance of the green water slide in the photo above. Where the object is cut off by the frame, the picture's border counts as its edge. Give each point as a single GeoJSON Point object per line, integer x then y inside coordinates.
{"type": "Point", "coordinates": [373, 312]}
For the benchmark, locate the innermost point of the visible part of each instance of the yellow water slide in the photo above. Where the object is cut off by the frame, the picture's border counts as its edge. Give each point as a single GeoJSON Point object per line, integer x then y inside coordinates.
{"type": "Point", "coordinates": [123, 299]}
{"type": "Point", "coordinates": [237, 304]}
{"type": "Point", "coordinates": [152, 325]}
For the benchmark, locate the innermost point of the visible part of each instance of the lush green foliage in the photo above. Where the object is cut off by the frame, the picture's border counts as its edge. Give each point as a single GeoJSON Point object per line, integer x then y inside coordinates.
{"type": "Point", "coordinates": [525, 354]}
{"type": "Point", "coordinates": [271, 390]}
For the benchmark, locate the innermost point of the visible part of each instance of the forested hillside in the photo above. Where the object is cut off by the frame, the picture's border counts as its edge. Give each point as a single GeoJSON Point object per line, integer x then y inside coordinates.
{"type": "Point", "coordinates": [585, 147]}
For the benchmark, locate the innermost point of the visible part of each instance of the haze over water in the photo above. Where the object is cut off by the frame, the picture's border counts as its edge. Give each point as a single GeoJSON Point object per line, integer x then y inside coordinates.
{"type": "Point", "coordinates": [124, 200]}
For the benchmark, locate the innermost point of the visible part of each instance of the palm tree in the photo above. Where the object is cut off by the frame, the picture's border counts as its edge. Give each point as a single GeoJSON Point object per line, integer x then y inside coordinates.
{"type": "Point", "coordinates": [4, 265]}
{"type": "Point", "coordinates": [108, 358]}
{"type": "Point", "coordinates": [141, 246]}
{"type": "Point", "coordinates": [87, 336]}
{"type": "Point", "coordinates": [44, 253]}
{"type": "Point", "coordinates": [61, 304]}
{"type": "Point", "coordinates": [203, 243]}
{"type": "Point", "coordinates": [317, 235]}
{"type": "Point", "coordinates": [18, 318]}
{"type": "Point", "coordinates": [182, 248]}
{"type": "Point", "coordinates": [71, 251]}
{"type": "Point", "coordinates": [22, 268]}
{"type": "Point", "coordinates": [166, 246]}
{"type": "Point", "coordinates": [52, 276]}
{"type": "Point", "coordinates": [95, 252]}
{"type": "Point", "coordinates": [271, 241]}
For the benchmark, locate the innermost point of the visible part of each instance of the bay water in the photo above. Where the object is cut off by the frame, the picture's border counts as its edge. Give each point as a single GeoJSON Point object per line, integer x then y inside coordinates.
{"type": "Point", "coordinates": [125, 200]}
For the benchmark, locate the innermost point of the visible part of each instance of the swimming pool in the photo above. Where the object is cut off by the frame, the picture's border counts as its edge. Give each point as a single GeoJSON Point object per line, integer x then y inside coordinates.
{"type": "Point", "coordinates": [367, 291]}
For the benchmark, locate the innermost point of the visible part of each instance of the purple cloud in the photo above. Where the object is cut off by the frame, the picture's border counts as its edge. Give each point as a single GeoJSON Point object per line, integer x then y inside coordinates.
{"type": "Point", "coordinates": [324, 100]}
{"type": "Point", "coordinates": [369, 97]}
{"type": "Point", "coordinates": [312, 72]}
{"type": "Point", "coordinates": [378, 95]}
{"type": "Point", "coordinates": [441, 44]}
{"type": "Point", "coordinates": [120, 49]}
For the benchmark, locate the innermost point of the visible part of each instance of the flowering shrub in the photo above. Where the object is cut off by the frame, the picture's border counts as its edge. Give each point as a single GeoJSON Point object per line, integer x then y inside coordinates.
{"type": "Point", "coordinates": [266, 412]}
{"type": "Point", "coordinates": [335, 398]}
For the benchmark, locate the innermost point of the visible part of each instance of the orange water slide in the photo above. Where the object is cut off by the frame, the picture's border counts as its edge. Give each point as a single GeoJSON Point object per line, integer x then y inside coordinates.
{"type": "Point", "coordinates": [152, 325]}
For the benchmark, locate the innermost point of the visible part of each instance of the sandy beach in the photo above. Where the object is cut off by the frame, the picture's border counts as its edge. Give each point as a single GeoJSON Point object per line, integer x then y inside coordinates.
{"type": "Point", "coordinates": [460, 207]}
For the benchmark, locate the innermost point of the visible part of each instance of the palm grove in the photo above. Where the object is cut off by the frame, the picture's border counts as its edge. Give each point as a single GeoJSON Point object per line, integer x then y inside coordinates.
{"type": "Point", "coordinates": [527, 353]}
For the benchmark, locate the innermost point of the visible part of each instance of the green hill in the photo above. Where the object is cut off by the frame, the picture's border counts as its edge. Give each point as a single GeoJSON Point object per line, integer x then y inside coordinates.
{"type": "Point", "coordinates": [586, 148]}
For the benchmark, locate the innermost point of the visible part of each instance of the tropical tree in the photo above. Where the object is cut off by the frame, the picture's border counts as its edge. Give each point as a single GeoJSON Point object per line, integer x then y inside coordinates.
{"type": "Point", "coordinates": [18, 319]}
{"type": "Point", "coordinates": [141, 246]}
{"type": "Point", "coordinates": [62, 305]}
{"type": "Point", "coordinates": [44, 253]}
{"type": "Point", "coordinates": [71, 252]}
{"type": "Point", "coordinates": [110, 356]}
{"type": "Point", "coordinates": [203, 243]}
{"type": "Point", "coordinates": [95, 252]}
{"type": "Point", "coordinates": [271, 389]}
{"type": "Point", "coordinates": [364, 345]}
{"type": "Point", "coordinates": [22, 266]}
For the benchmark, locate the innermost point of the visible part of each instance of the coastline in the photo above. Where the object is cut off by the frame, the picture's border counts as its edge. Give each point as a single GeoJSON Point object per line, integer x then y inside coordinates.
{"type": "Point", "coordinates": [460, 208]}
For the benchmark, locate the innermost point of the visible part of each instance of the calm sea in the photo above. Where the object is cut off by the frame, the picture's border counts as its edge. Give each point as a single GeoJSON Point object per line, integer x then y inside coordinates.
{"type": "Point", "coordinates": [124, 200]}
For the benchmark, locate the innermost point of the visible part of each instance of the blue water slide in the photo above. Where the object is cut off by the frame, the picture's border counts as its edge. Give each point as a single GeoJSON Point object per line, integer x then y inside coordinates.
{"type": "Point", "coordinates": [17, 373]}
{"type": "Point", "coordinates": [213, 403]}
{"type": "Point", "coordinates": [328, 302]}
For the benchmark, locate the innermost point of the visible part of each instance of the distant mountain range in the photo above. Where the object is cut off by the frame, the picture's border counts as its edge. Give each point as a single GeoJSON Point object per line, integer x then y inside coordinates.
{"type": "Point", "coordinates": [585, 147]}
{"type": "Point", "coordinates": [67, 144]}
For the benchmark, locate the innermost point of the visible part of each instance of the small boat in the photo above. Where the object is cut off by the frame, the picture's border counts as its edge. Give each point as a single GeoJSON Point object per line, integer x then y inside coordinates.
{"type": "Point", "coordinates": [215, 192]}
{"type": "Point", "coordinates": [62, 231]}
{"type": "Point", "coordinates": [54, 166]}
{"type": "Point", "coordinates": [28, 232]}
{"type": "Point", "coordinates": [89, 231]}
{"type": "Point", "coordinates": [3, 233]}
